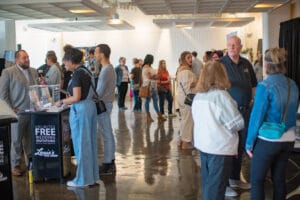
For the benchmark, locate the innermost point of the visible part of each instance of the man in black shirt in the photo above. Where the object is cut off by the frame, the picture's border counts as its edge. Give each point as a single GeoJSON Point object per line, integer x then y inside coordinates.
{"type": "Point", "coordinates": [243, 82]}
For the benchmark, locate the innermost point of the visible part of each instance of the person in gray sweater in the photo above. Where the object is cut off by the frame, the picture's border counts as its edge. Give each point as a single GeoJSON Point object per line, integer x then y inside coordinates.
{"type": "Point", "coordinates": [106, 91]}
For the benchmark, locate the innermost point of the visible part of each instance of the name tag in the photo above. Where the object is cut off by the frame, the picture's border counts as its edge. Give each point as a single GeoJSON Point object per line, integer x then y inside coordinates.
{"type": "Point", "coordinates": [246, 70]}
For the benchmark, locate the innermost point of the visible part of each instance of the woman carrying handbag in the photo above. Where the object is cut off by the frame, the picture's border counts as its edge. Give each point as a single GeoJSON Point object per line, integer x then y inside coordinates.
{"type": "Point", "coordinates": [272, 126]}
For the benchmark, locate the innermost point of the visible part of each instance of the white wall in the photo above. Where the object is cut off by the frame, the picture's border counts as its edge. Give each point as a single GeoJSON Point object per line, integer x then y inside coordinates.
{"type": "Point", "coordinates": [145, 38]}
{"type": "Point", "coordinates": [275, 18]}
{"type": "Point", "coordinates": [252, 32]}
{"type": "Point", "coordinates": [37, 42]}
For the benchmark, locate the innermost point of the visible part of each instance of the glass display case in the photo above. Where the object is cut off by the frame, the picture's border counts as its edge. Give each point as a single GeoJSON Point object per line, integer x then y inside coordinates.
{"type": "Point", "coordinates": [43, 97]}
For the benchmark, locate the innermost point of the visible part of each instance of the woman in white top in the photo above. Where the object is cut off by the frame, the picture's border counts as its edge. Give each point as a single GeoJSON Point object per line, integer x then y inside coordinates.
{"type": "Point", "coordinates": [149, 78]}
{"type": "Point", "coordinates": [216, 125]}
{"type": "Point", "coordinates": [186, 82]}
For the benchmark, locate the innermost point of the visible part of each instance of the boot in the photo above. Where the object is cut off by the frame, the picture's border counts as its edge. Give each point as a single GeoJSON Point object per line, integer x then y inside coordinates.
{"type": "Point", "coordinates": [149, 118]}
{"type": "Point", "coordinates": [160, 117]}
{"type": "Point", "coordinates": [187, 145]}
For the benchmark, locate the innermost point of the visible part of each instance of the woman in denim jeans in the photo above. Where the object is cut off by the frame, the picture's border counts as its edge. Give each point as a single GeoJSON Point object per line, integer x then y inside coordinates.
{"type": "Point", "coordinates": [269, 105]}
{"type": "Point", "coordinates": [149, 78]}
{"type": "Point", "coordinates": [165, 83]}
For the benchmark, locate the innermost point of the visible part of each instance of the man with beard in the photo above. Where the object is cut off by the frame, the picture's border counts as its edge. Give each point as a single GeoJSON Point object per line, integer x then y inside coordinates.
{"type": "Point", "coordinates": [14, 86]}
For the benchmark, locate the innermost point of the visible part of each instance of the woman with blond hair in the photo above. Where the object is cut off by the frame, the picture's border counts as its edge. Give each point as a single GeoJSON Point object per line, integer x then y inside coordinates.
{"type": "Point", "coordinates": [164, 88]}
{"type": "Point", "coordinates": [276, 102]}
{"type": "Point", "coordinates": [216, 125]}
{"type": "Point", "coordinates": [186, 82]}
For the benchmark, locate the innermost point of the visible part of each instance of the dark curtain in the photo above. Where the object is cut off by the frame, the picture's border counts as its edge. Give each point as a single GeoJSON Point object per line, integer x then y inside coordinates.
{"type": "Point", "coordinates": [289, 38]}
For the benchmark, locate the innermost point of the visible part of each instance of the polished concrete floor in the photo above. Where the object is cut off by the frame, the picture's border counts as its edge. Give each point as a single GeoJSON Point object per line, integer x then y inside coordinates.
{"type": "Point", "coordinates": [149, 167]}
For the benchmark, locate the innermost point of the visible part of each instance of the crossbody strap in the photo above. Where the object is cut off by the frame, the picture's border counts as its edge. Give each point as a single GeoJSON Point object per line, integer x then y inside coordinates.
{"type": "Point", "coordinates": [182, 88]}
{"type": "Point", "coordinates": [93, 87]}
{"type": "Point", "coordinates": [288, 99]}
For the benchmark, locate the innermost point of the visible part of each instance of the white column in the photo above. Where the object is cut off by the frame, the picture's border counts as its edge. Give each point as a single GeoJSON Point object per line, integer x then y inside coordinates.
{"type": "Point", "coordinates": [7, 36]}
{"type": "Point", "coordinates": [265, 40]}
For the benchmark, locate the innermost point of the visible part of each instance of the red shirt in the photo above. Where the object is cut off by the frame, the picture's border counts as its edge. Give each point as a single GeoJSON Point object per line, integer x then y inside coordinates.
{"type": "Point", "coordinates": [164, 76]}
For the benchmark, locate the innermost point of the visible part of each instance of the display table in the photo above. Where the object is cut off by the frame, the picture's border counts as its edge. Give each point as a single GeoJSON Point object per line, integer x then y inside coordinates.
{"type": "Point", "coordinates": [51, 146]}
{"type": "Point", "coordinates": [6, 189]}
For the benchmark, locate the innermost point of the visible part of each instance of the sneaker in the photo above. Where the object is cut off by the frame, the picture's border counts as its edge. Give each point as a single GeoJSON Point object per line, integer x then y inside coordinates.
{"type": "Point", "coordinates": [107, 169]}
{"type": "Point", "coordinates": [172, 115]}
{"type": "Point", "coordinates": [239, 184]}
{"type": "Point", "coordinates": [72, 184]}
{"type": "Point", "coordinates": [74, 160]}
{"type": "Point", "coordinates": [230, 192]}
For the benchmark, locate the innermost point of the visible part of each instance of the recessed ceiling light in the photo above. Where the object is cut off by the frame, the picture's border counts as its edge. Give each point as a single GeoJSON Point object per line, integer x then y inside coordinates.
{"type": "Point", "coordinates": [185, 26]}
{"type": "Point", "coordinates": [267, 5]}
{"type": "Point", "coordinates": [115, 21]}
{"type": "Point", "coordinates": [82, 11]}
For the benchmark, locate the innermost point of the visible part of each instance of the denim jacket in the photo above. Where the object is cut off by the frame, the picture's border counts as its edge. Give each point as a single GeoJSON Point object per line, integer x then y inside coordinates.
{"type": "Point", "coordinates": [269, 103]}
{"type": "Point", "coordinates": [119, 73]}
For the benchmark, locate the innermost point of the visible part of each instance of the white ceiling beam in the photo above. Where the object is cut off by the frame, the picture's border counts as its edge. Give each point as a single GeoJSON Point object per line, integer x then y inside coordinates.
{"type": "Point", "coordinates": [197, 7]}
{"type": "Point", "coordinates": [226, 4]}
{"type": "Point", "coordinates": [18, 14]}
{"type": "Point", "coordinates": [13, 2]}
{"type": "Point", "coordinates": [94, 6]}
{"type": "Point", "coordinates": [168, 6]}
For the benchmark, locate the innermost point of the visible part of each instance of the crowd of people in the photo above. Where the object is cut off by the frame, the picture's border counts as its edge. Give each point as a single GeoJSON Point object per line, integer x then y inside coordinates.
{"type": "Point", "coordinates": [222, 121]}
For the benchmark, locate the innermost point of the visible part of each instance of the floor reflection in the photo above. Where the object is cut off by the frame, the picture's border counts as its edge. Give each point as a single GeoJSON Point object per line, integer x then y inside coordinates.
{"type": "Point", "coordinates": [149, 167]}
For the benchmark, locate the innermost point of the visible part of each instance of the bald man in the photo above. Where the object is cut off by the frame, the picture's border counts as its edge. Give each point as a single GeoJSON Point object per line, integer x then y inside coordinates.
{"type": "Point", "coordinates": [243, 82]}
{"type": "Point", "coordinates": [14, 86]}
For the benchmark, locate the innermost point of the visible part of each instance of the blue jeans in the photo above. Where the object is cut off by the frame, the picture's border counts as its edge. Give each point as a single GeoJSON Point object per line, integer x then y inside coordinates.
{"type": "Point", "coordinates": [104, 123]}
{"type": "Point", "coordinates": [153, 95]}
{"type": "Point", "coordinates": [237, 160]}
{"type": "Point", "coordinates": [137, 101]}
{"type": "Point", "coordinates": [215, 170]}
{"type": "Point", "coordinates": [162, 96]}
{"type": "Point", "coordinates": [83, 125]}
{"type": "Point", "coordinates": [269, 155]}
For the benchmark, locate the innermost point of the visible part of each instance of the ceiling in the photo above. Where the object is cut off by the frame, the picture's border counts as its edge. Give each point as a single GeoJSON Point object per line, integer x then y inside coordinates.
{"type": "Point", "coordinates": [166, 13]}
{"type": "Point", "coordinates": [93, 25]}
{"type": "Point", "coordinates": [204, 13]}
{"type": "Point", "coordinates": [49, 9]}
{"type": "Point", "coordinates": [163, 7]}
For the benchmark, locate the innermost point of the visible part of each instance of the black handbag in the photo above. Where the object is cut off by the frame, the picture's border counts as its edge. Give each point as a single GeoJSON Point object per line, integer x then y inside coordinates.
{"type": "Point", "coordinates": [188, 97]}
{"type": "Point", "coordinates": [100, 105]}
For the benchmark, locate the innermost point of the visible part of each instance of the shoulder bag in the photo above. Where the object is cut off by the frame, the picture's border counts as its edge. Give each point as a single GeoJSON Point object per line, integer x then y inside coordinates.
{"type": "Point", "coordinates": [144, 91]}
{"type": "Point", "coordinates": [273, 130]}
{"type": "Point", "coordinates": [188, 97]}
{"type": "Point", "coordinates": [100, 105]}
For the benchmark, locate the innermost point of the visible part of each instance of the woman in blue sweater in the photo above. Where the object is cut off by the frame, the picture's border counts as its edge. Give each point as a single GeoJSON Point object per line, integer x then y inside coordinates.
{"type": "Point", "coordinates": [270, 102]}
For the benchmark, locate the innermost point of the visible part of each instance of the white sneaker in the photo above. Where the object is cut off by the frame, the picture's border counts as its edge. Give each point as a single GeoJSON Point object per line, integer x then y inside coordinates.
{"type": "Point", "coordinates": [73, 160]}
{"type": "Point", "coordinates": [230, 192]}
{"type": "Point", "coordinates": [72, 184]}
{"type": "Point", "coordinates": [239, 184]}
